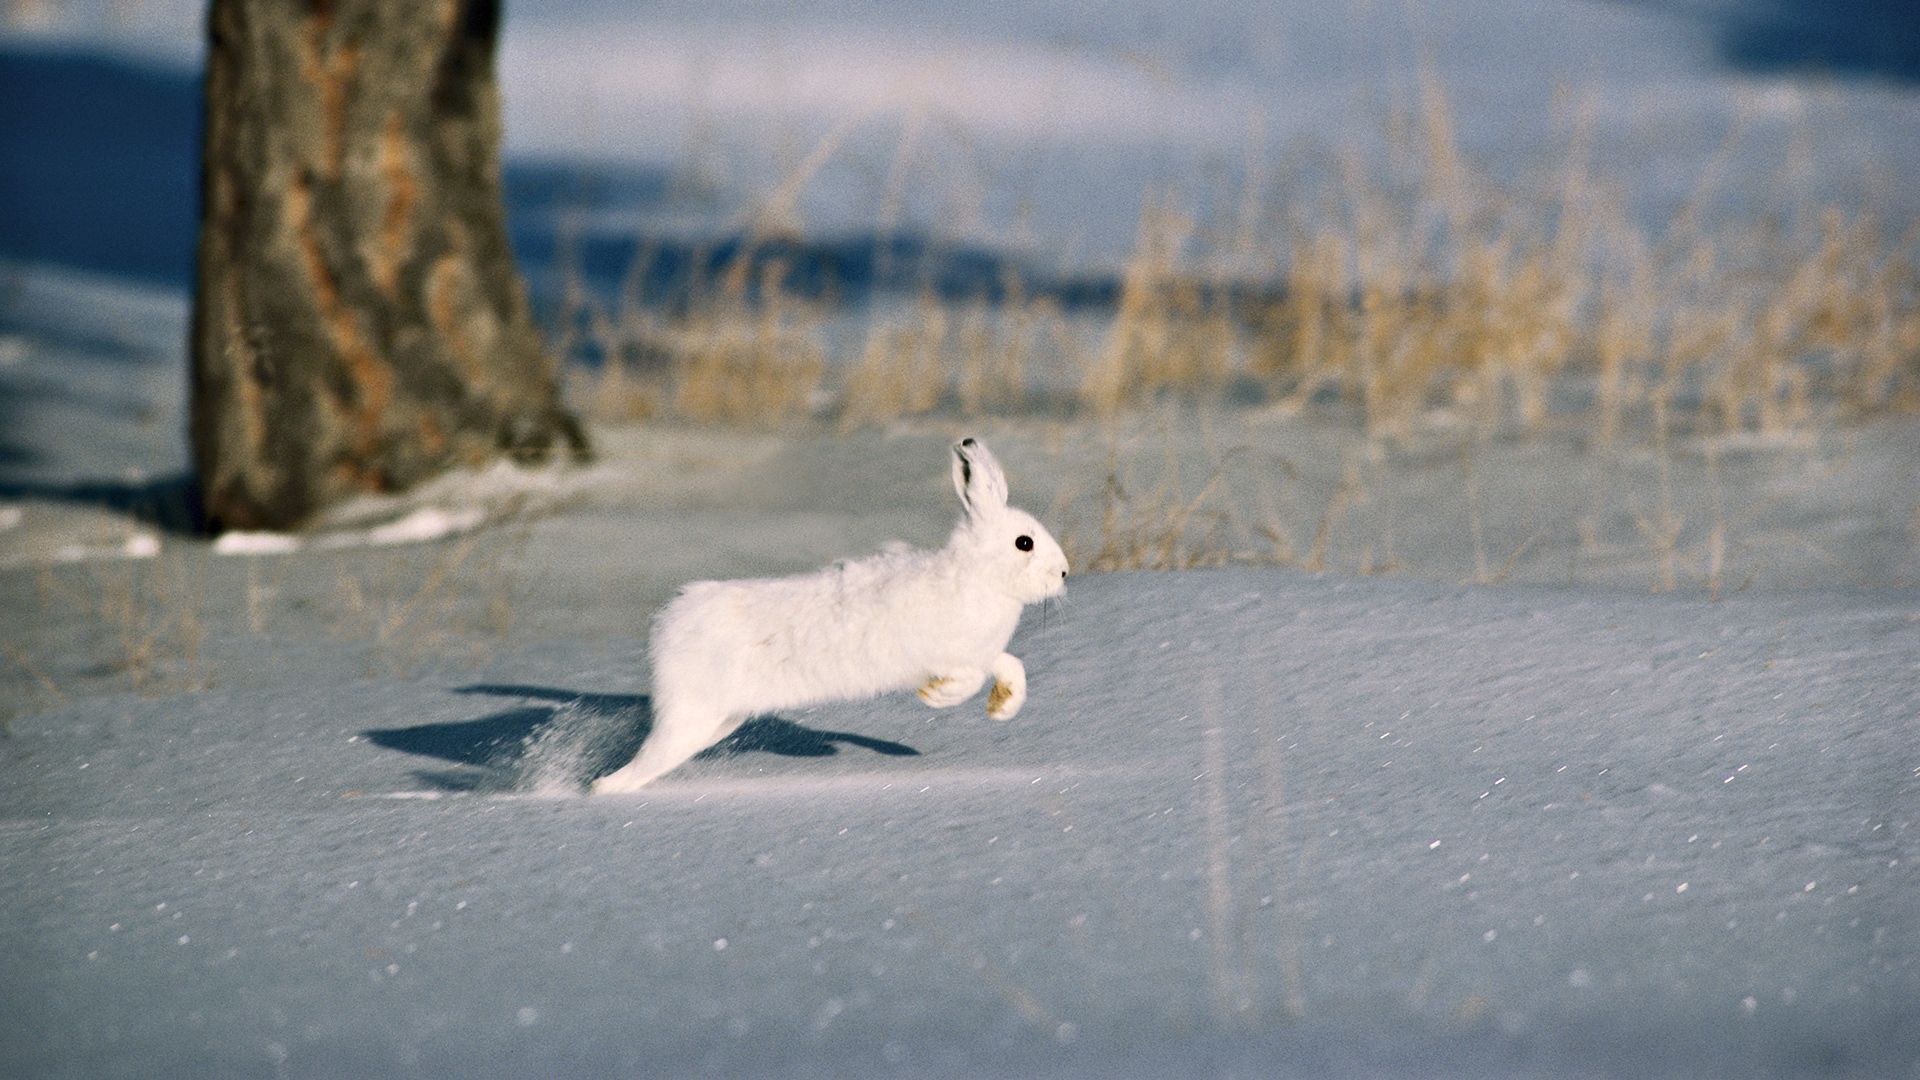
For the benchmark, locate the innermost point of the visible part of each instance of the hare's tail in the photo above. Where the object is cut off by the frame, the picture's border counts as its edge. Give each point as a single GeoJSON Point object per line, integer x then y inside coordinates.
{"type": "Point", "coordinates": [681, 729]}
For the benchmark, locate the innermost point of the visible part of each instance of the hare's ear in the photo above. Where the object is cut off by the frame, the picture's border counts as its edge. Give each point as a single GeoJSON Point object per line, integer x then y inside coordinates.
{"type": "Point", "coordinates": [978, 479]}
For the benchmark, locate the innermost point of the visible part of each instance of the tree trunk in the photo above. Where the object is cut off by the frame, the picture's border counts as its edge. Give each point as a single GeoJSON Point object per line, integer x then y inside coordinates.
{"type": "Point", "coordinates": [359, 324]}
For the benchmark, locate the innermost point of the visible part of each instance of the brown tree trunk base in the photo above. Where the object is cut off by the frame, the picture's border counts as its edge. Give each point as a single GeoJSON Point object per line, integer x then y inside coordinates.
{"type": "Point", "coordinates": [359, 324]}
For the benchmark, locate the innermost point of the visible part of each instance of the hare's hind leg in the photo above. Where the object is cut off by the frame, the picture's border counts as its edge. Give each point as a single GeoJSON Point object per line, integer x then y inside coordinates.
{"type": "Point", "coordinates": [952, 687]}
{"type": "Point", "coordinates": [1009, 687]}
{"type": "Point", "coordinates": [678, 734]}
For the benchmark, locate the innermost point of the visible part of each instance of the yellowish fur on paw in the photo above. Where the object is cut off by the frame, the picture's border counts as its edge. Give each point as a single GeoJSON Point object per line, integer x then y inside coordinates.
{"type": "Point", "coordinates": [997, 697]}
{"type": "Point", "coordinates": [933, 685]}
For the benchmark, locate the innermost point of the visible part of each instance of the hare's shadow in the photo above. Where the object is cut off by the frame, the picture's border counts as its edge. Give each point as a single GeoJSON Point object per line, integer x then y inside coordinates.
{"type": "Point", "coordinates": [566, 738]}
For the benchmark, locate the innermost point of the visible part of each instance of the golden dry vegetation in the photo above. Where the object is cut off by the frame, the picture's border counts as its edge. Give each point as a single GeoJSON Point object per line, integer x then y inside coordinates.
{"type": "Point", "coordinates": [1400, 283]}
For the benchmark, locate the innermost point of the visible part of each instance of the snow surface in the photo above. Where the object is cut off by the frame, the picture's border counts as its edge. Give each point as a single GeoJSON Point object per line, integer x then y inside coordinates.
{"type": "Point", "coordinates": [1251, 822]}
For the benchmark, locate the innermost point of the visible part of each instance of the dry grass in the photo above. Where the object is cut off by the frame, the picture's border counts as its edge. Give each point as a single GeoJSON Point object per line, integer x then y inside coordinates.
{"type": "Point", "coordinates": [1159, 507]}
{"type": "Point", "coordinates": [143, 619]}
{"type": "Point", "coordinates": [1169, 331]}
{"type": "Point", "coordinates": [972, 356]}
{"type": "Point", "coordinates": [1401, 289]}
{"type": "Point", "coordinates": [178, 621]}
{"type": "Point", "coordinates": [45, 691]}
{"type": "Point", "coordinates": [143, 624]}
{"type": "Point", "coordinates": [763, 370]}
{"type": "Point", "coordinates": [1153, 526]}
{"type": "Point", "coordinates": [456, 599]}
{"type": "Point", "coordinates": [902, 371]}
{"type": "Point", "coordinates": [1466, 295]}
{"type": "Point", "coordinates": [745, 351]}
{"type": "Point", "coordinates": [1403, 281]}
{"type": "Point", "coordinates": [1206, 486]}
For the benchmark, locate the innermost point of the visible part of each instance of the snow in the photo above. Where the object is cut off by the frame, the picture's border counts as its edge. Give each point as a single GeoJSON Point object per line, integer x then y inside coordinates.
{"type": "Point", "coordinates": [318, 811]}
{"type": "Point", "coordinates": [138, 546]}
{"type": "Point", "coordinates": [246, 542]}
{"type": "Point", "coordinates": [1250, 821]}
{"type": "Point", "coordinates": [418, 526]}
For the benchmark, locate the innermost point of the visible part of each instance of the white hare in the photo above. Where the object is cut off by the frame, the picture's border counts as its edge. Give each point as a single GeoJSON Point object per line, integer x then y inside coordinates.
{"type": "Point", "coordinates": [939, 621]}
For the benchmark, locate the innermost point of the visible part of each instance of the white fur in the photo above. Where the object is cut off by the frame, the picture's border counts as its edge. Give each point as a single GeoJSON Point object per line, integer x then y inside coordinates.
{"type": "Point", "coordinates": [936, 621]}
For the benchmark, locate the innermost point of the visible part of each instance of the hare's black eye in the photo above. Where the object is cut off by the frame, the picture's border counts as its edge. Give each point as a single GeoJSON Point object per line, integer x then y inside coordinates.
{"type": "Point", "coordinates": [1024, 543]}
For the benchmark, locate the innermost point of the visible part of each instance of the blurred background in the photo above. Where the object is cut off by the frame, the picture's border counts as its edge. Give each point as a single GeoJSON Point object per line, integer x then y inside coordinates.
{"type": "Point", "coordinates": [1425, 227]}
{"type": "Point", "coordinates": [908, 145]}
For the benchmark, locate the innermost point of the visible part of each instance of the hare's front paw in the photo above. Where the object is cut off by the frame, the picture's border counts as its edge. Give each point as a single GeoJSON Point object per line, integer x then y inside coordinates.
{"type": "Point", "coordinates": [945, 691]}
{"type": "Point", "coordinates": [1009, 688]}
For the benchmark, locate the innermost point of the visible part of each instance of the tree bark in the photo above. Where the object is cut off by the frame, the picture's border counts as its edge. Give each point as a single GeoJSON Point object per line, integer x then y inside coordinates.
{"type": "Point", "coordinates": [359, 324]}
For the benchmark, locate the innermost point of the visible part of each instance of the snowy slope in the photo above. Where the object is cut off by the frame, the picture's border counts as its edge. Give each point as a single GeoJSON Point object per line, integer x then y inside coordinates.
{"type": "Point", "coordinates": [1250, 823]}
